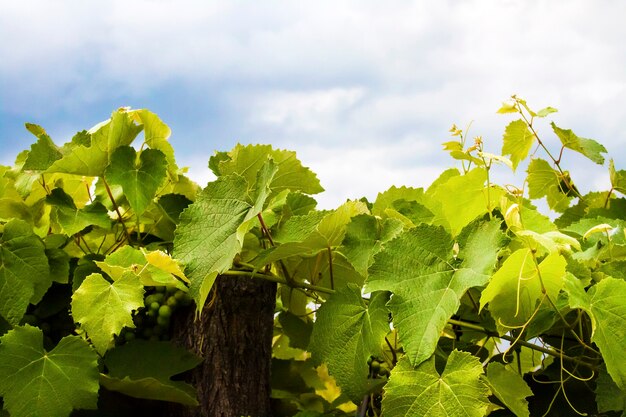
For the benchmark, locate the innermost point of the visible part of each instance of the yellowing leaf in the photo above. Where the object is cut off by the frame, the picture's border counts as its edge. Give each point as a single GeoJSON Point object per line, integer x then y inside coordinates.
{"type": "Point", "coordinates": [165, 262]}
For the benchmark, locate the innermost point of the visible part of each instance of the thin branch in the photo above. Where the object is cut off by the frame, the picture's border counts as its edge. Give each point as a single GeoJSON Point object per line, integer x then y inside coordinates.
{"type": "Point", "coordinates": [276, 278]}
{"type": "Point", "coordinates": [524, 343]}
{"type": "Point", "coordinates": [117, 209]}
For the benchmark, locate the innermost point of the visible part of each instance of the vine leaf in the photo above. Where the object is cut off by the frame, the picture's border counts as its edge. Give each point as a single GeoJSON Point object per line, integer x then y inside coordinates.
{"type": "Point", "coordinates": [516, 288]}
{"type": "Point", "coordinates": [427, 285]}
{"type": "Point", "coordinates": [119, 130]}
{"type": "Point", "coordinates": [509, 387]}
{"type": "Point", "coordinates": [422, 391]}
{"type": "Point", "coordinates": [605, 303]}
{"type": "Point", "coordinates": [517, 141]}
{"type": "Point", "coordinates": [141, 179]}
{"type": "Point", "coordinates": [73, 219]}
{"type": "Point", "coordinates": [608, 395]}
{"type": "Point", "coordinates": [588, 147]}
{"type": "Point", "coordinates": [364, 237]}
{"type": "Point", "coordinates": [103, 308]}
{"type": "Point", "coordinates": [42, 153]}
{"type": "Point", "coordinates": [156, 135]}
{"type": "Point", "coordinates": [312, 233]}
{"type": "Point", "coordinates": [24, 270]}
{"type": "Point", "coordinates": [543, 180]}
{"type": "Point", "coordinates": [346, 333]}
{"type": "Point", "coordinates": [618, 178]}
{"type": "Point", "coordinates": [461, 199]}
{"type": "Point", "coordinates": [386, 199]}
{"type": "Point", "coordinates": [248, 160]}
{"type": "Point", "coordinates": [34, 382]}
{"type": "Point", "coordinates": [211, 230]}
{"type": "Point", "coordinates": [143, 369]}
{"type": "Point", "coordinates": [153, 268]}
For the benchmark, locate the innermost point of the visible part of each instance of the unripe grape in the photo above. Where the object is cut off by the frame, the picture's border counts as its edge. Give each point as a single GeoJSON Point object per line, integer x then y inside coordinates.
{"type": "Point", "coordinates": [163, 321]}
{"type": "Point", "coordinates": [128, 336]}
{"type": "Point", "coordinates": [160, 288]}
{"type": "Point", "coordinates": [375, 366]}
{"type": "Point", "coordinates": [165, 311]}
{"type": "Point", "coordinates": [155, 306]}
{"type": "Point", "coordinates": [172, 302]}
{"type": "Point", "coordinates": [171, 290]}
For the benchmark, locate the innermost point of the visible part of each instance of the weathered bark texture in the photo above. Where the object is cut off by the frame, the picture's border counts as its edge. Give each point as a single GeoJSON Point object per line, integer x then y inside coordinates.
{"type": "Point", "coordinates": [234, 337]}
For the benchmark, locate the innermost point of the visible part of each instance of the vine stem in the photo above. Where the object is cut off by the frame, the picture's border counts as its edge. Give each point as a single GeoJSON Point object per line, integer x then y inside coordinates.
{"type": "Point", "coordinates": [277, 279]}
{"type": "Point", "coordinates": [520, 342]}
{"type": "Point", "coordinates": [568, 326]}
{"type": "Point", "coordinates": [116, 208]}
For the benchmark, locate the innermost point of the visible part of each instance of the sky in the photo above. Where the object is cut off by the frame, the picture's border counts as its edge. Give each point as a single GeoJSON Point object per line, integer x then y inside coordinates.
{"type": "Point", "coordinates": [365, 92]}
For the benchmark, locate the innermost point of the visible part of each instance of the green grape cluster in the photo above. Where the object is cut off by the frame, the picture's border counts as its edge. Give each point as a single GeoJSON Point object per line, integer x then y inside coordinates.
{"type": "Point", "coordinates": [153, 322]}
{"type": "Point", "coordinates": [378, 368]}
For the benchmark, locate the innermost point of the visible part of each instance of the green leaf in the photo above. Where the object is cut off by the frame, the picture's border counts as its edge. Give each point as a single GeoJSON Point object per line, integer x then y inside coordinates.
{"type": "Point", "coordinates": [92, 160]}
{"type": "Point", "coordinates": [605, 303]}
{"type": "Point", "coordinates": [507, 108]}
{"type": "Point", "coordinates": [546, 111]}
{"type": "Point", "coordinates": [516, 289]}
{"type": "Point", "coordinates": [156, 135]}
{"type": "Point", "coordinates": [509, 387]}
{"type": "Point", "coordinates": [209, 235]}
{"type": "Point", "coordinates": [517, 141]}
{"type": "Point", "coordinates": [333, 226]}
{"type": "Point", "coordinates": [458, 391]}
{"type": "Point", "coordinates": [608, 395]}
{"type": "Point", "coordinates": [140, 179]}
{"type": "Point", "coordinates": [34, 382]}
{"type": "Point", "coordinates": [463, 198]}
{"type": "Point", "coordinates": [365, 235]}
{"type": "Point", "coordinates": [618, 178]}
{"type": "Point", "coordinates": [419, 267]}
{"type": "Point", "coordinates": [386, 199]}
{"type": "Point", "coordinates": [346, 333]}
{"type": "Point", "coordinates": [24, 270]}
{"type": "Point", "coordinates": [73, 219]}
{"type": "Point", "coordinates": [588, 147]}
{"type": "Point", "coordinates": [543, 180]}
{"type": "Point", "coordinates": [104, 308]}
{"type": "Point", "coordinates": [143, 369]}
{"type": "Point", "coordinates": [248, 160]}
{"type": "Point", "coordinates": [43, 153]}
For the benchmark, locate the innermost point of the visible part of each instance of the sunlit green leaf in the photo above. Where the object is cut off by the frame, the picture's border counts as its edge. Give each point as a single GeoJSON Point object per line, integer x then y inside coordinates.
{"type": "Point", "coordinates": [427, 285]}
{"type": "Point", "coordinates": [103, 308]}
{"type": "Point", "coordinates": [588, 147]}
{"type": "Point", "coordinates": [107, 136]}
{"type": "Point", "coordinates": [422, 391]}
{"type": "Point", "coordinates": [518, 287]}
{"type": "Point", "coordinates": [139, 178]}
{"type": "Point", "coordinates": [517, 141]}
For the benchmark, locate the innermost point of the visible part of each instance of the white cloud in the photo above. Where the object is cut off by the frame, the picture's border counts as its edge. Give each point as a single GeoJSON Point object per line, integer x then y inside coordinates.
{"type": "Point", "coordinates": [350, 85]}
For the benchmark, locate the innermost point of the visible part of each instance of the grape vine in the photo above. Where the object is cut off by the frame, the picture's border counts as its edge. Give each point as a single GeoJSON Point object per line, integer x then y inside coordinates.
{"type": "Point", "coordinates": [459, 299]}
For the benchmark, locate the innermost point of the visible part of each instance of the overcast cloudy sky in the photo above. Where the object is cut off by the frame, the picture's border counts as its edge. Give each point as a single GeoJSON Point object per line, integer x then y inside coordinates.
{"type": "Point", "coordinates": [364, 91]}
